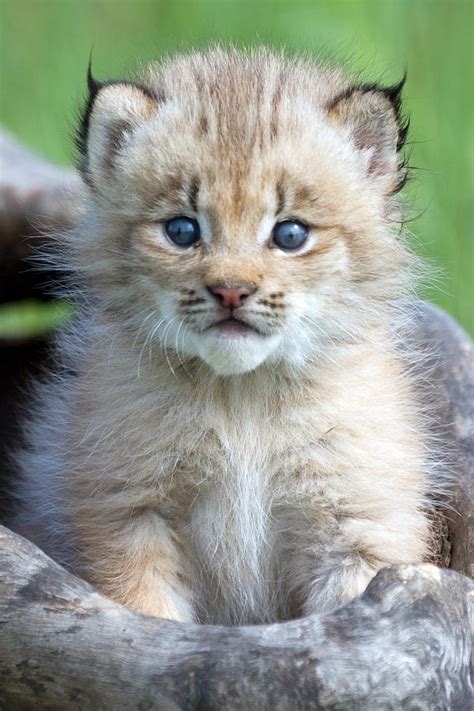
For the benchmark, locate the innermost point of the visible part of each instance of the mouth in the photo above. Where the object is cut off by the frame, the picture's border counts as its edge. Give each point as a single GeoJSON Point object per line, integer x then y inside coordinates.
{"type": "Point", "coordinates": [233, 327]}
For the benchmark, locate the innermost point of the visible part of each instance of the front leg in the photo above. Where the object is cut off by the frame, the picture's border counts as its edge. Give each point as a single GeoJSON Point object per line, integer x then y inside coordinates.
{"type": "Point", "coordinates": [338, 580]}
{"type": "Point", "coordinates": [357, 550]}
{"type": "Point", "coordinates": [137, 560]}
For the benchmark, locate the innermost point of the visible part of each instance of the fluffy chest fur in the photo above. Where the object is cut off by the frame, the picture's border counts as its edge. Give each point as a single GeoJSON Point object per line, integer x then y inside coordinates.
{"type": "Point", "coordinates": [257, 477]}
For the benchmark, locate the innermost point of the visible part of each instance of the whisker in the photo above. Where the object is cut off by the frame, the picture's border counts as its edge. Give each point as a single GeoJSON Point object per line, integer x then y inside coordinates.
{"type": "Point", "coordinates": [147, 340]}
{"type": "Point", "coordinates": [177, 342]}
{"type": "Point", "coordinates": [141, 326]}
{"type": "Point", "coordinates": [165, 348]}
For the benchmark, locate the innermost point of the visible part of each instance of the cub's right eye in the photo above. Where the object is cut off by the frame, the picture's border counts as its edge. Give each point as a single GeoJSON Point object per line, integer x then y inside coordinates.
{"type": "Point", "coordinates": [183, 231]}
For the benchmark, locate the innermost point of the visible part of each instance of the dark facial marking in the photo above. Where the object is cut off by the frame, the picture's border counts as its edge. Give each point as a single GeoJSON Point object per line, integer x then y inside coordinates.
{"type": "Point", "coordinates": [193, 191]}
{"type": "Point", "coordinates": [276, 100]}
{"type": "Point", "coordinates": [280, 191]}
{"type": "Point", "coordinates": [303, 196]}
{"type": "Point", "coordinates": [192, 301]}
{"type": "Point", "coordinates": [271, 304]}
{"type": "Point", "coordinates": [171, 189]}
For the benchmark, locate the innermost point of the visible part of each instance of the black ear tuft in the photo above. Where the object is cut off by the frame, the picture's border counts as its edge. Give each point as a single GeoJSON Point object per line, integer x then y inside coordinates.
{"type": "Point", "coordinates": [82, 131]}
{"type": "Point", "coordinates": [394, 94]}
{"type": "Point", "coordinates": [92, 84]}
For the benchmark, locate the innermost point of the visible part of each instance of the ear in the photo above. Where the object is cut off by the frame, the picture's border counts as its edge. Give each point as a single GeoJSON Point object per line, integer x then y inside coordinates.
{"type": "Point", "coordinates": [113, 111]}
{"type": "Point", "coordinates": [372, 115]}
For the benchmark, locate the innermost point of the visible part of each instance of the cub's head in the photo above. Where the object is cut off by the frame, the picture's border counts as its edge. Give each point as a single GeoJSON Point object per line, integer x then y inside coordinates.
{"type": "Point", "coordinates": [242, 207]}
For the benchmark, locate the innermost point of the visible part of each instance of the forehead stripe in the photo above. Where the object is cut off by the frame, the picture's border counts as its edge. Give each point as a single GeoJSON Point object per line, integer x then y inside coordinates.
{"type": "Point", "coordinates": [192, 192]}
{"type": "Point", "coordinates": [281, 196]}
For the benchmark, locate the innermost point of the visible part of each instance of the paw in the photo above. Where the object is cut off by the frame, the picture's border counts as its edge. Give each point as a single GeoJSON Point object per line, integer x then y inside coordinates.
{"type": "Point", "coordinates": [335, 586]}
{"type": "Point", "coordinates": [171, 606]}
{"type": "Point", "coordinates": [167, 611]}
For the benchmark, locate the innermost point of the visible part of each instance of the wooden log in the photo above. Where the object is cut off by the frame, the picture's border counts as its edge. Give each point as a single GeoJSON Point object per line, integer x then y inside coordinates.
{"type": "Point", "coordinates": [448, 386]}
{"type": "Point", "coordinates": [36, 197]}
{"type": "Point", "coordinates": [405, 643]}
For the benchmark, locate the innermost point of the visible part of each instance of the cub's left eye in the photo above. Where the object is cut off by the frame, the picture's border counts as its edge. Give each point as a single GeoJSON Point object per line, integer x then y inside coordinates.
{"type": "Point", "coordinates": [290, 234]}
{"type": "Point", "coordinates": [183, 231]}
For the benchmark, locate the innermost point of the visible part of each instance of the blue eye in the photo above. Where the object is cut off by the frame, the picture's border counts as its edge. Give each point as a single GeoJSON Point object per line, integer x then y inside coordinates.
{"type": "Point", "coordinates": [290, 234]}
{"type": "Point", "coordinates": [183, 231]}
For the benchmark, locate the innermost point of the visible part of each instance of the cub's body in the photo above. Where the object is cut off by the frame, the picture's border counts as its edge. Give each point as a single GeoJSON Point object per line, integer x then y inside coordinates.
{"type": "Point", "coordinates": [270, 470]}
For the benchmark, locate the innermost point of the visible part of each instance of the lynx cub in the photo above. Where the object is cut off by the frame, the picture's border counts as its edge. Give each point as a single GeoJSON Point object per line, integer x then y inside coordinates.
{"type": "Point", "coordinates": [233, 437]}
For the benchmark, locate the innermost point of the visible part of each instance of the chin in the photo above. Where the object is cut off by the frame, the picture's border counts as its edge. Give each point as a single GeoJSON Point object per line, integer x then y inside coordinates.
{"type": "Point", "coordinates": [234, 355]}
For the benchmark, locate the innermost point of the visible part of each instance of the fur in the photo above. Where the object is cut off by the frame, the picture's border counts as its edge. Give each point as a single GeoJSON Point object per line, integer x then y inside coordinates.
{"type": "Point", "coordinates": [233, 478]}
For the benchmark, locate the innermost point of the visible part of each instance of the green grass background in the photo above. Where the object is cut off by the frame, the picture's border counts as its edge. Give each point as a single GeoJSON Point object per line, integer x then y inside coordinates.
{"type": "Point", "coordinates": [45, 46]}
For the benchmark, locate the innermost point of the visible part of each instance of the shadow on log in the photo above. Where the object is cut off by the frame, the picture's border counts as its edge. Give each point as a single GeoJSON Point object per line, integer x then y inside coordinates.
{"type": "Point", "coordinates": [405, 643]}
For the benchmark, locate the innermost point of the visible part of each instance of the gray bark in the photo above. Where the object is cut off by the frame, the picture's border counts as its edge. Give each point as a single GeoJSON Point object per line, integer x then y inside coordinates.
{"type": "Point", "coordinates": [406, 643]}
{"type": "Point", "coordinates": [34, 196]}
{"type": "Point", "coordinates": [450, 392]}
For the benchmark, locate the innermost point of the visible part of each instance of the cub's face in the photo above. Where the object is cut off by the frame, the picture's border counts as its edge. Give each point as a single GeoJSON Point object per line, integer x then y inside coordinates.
{"type": "Point", "coordinates": [236, 227]}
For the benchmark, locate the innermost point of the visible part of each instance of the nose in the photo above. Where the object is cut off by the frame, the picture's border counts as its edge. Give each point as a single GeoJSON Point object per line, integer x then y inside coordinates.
{"type": "Point", "coordinates": [230, 297]}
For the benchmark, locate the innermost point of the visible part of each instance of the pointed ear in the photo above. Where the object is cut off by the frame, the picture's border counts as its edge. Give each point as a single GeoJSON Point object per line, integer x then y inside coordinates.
{"type": "Point", "coordinates": [372, 115]}
{"type": "Point", "coordinates": [113, 111]}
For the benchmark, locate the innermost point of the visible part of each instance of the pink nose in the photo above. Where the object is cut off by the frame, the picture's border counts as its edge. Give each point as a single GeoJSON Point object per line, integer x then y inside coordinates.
{"type": "Point", "coordinates": [230, 297]}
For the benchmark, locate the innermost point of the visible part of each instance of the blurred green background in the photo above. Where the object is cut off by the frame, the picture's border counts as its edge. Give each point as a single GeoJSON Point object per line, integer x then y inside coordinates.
{"type": "Point", "coordinates": [45, 47]}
